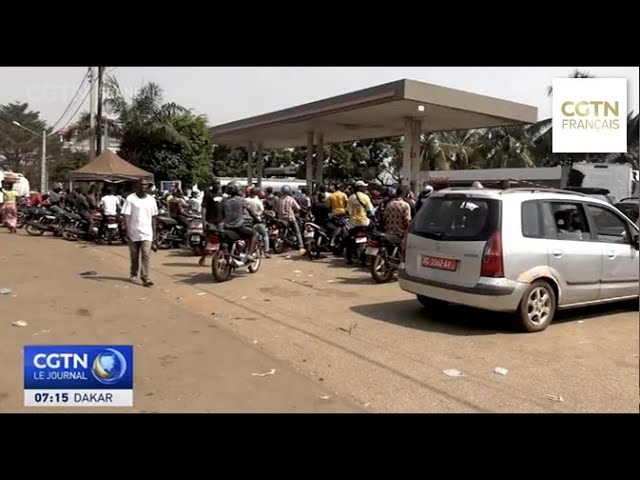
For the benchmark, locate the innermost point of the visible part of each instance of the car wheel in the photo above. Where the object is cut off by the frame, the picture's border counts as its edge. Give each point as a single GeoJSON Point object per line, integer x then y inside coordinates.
{"type": "Point", "coordinates": [537, 307]}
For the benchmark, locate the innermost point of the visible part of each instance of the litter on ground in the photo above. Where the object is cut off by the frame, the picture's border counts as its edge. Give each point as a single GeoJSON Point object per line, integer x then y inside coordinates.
{"type": "Point", "coordinates": [19, 323]}
{"type": "Point", "coordinates": [580, 321]}
{"type": "Point", "coordinates": [452, 372]}
{"type": "Point", "coordinates": [501, 371]}
{"type": "Point", "coordinates": [270, 372]}
{"type": "Point", "coordinates": [5, 291]}
{"type": "Point", "coordinates": [89, 273]}
{"type": "Point", "coordinates": [325, 397]}
{"type": "Point", "coordinates": [202, 293]}
{"type": "Point", "coordinates": [554, 398]}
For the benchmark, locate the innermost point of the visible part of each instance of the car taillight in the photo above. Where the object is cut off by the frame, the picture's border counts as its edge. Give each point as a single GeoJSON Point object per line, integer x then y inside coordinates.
{"type": "Point", "coordinates": [492, 263]}
{"type": "Point", "coordinates": [403, 247]}
{"type": "Point", "coordinates": [213, 239]}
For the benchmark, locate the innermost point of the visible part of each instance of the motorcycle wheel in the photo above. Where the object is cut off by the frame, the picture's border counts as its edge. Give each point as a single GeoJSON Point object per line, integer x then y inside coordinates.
{"type": "Point", "coordinates": [278, 246]}
{"type": "Point", "coordinates": [255, 266]}
{"type": "Point", "coordinates": [68, 235]}
{"type": "Point", "coordinates": [381, 271]}
{"type": "Point", "coordinates": [220, 268]}
{"type": "Point", "coordinates": [313, 251]}
{"type": "Point", "coordinates": [34, 231]}
{"type": "Point", "coordinates": [163, 242]}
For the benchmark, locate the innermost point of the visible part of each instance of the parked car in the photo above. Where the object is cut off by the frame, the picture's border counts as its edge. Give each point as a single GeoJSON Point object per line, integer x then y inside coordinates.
{"type": "Point", "coordinates": [522, 250]}
{"type": "Point", "coordinates": [630, 207]}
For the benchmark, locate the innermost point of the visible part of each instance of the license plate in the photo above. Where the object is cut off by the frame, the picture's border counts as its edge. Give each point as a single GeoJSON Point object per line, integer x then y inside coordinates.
{"type": "Point", "coordinates": [371, 251]}
{"type": "Point", "coordinates": [195, 238]}
{"type": "Point", "coordinates": [112, 225]}
{"type": "Point", "coordinates": [213, 246]}
{"type": "Point", "coordinates": [361, 240]}
{"type": "Point", "coordinates": [308, 234]}
{"type": "Point", "coordinates": [448, 264]}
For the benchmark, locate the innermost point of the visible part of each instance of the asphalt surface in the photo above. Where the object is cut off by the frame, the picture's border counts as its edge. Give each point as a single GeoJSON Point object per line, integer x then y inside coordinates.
{"type": "Point", "coordinates": [326, 328]}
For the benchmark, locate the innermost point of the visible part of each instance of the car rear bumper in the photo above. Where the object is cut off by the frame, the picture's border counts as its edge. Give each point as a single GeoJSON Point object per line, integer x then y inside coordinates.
{"type": "Point", "coordinates": [496, 294]}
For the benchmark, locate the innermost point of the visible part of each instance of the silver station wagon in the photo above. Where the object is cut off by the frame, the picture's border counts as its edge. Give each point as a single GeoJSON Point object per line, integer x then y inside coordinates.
{"type": "Point", "coordinates": [522, 250]}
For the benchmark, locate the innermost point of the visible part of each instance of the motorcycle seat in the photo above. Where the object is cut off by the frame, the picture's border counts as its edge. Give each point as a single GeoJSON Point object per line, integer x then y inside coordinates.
{"type": "Point", "coordinates": [392, 239]}
{"type": "Point", "coordinates": [230, 235]}
{"type": "Point", "coordinates": [167, 220]}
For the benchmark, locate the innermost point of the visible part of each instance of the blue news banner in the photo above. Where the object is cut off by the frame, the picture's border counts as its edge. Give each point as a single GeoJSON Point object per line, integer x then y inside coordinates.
{"type": "Point", "coordinates": [78, 375]}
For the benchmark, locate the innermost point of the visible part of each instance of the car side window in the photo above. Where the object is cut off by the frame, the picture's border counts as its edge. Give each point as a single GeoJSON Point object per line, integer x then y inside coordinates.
{"type": "Point", "coordinates": [568, 221]}
{"type": "Point", "coordinates": [608, 226]}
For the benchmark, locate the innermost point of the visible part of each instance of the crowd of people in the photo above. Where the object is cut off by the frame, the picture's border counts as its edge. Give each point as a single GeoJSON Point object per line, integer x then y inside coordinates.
{"type": "Point", "coordinates": [230, 206]}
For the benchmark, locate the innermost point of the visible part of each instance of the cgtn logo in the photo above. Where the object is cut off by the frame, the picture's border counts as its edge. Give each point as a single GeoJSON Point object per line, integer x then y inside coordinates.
{"type": "Point", "coordinates": [78, 375]}
{"type": "Point", "coordinates": [589, 115]}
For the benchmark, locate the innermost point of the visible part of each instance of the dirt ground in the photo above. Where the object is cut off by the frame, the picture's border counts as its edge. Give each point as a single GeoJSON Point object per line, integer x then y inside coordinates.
{"type": "Point", "coordinates": [325, 327]}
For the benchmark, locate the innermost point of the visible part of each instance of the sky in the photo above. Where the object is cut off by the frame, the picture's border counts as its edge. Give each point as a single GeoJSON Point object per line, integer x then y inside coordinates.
{"type": "Point", "coordinates": [226, 94]}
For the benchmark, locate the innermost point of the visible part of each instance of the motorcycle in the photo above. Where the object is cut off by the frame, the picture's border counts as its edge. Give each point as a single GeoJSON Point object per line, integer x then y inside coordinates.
{"type": "Point", "coordinates": [357, 244]}
{"type": "Point", "coordinates": [384, 251]}
{"type": "Point", "coordinates": [230, 253]}
{"type": "Point", "coordinates": [41, 220]}
{"type": "Point", "coordinates": [316, 240]}
{"type": "Point", "coordinates": [113, 229]}
{"type": "Point", "coordinates": [196, 237]}
{"type": "Point", "coordinates": [169, 233]}
{"type": "Point", "coordinates": [76, 227]}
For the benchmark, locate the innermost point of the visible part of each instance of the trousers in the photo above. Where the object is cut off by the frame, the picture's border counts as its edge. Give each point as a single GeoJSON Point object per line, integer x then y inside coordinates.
{"type": "Point", "coordinates": [137, 250]}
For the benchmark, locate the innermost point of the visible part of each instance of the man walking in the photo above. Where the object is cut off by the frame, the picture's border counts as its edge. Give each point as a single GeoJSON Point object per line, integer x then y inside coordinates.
{"type": "Point", "coordinates": [139, 210]}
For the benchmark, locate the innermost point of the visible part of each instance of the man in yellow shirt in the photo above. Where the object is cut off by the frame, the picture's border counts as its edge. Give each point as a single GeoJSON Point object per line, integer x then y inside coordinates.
{"type": "Point", "coordinates": [337, 202]}
{"type": "Point", "coordinates": [359, 206]}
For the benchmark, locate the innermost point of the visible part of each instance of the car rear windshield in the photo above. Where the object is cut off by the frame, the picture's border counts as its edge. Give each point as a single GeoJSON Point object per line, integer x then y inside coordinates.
{"type": "Point", "coordinates": [456, 217]}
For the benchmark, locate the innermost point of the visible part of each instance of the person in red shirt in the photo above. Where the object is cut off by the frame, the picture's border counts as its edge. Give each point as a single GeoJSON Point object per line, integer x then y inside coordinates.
{"type": "Point", "coordinates": [36, 199]}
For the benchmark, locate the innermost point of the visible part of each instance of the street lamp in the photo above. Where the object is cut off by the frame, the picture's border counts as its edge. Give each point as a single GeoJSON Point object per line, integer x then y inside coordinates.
{"type": "Point", "coordinates": [43, 164]}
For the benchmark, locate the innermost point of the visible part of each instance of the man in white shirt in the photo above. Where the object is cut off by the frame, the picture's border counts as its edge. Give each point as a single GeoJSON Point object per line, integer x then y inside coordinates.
{"type": "Point", "coordinates": [139, 210]}
{"type": "Point", "coordinates": [257, 206]}
{"type": "Point", "coordinates": [109, 204]}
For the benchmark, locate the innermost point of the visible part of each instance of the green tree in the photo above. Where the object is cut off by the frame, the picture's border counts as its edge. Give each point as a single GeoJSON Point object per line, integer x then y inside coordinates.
{"type": "Point", "coordinates": [22, 148]}
{"type": "Point", "coordinates": [67, 161]}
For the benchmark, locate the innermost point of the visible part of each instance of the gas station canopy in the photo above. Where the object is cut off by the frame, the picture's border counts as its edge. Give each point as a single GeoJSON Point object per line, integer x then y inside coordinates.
{"type": "Point", "coordinates": [375, 112]}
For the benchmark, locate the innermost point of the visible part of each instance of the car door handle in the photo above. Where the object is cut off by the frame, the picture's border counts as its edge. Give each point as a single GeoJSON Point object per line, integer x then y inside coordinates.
{"type": "Point", "coordinates": [612, 254]}
{"type": "Point", "coordinates": [556, 253]}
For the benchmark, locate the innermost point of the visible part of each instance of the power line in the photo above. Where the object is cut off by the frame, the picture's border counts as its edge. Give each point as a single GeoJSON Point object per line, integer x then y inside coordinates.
{"type": "Point", "coordinates": [80, 105]}
{"type": "Point", "coordinates": [75, 96]}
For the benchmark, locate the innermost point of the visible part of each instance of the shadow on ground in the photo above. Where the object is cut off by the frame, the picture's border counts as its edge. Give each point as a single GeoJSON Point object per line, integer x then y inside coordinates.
{"type": "Point", "coordinates": [465, 321]}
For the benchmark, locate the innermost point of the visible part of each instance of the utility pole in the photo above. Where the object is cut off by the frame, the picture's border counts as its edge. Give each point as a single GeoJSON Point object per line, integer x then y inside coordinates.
{"type": "Point", "coordinates": [92, 120]}
{"type": "Point", "coordinates": [106, 133]}
{"type": "Point", "coordinates": [99, 119]}
{"type": "Point", "coordinates": [43, 165]}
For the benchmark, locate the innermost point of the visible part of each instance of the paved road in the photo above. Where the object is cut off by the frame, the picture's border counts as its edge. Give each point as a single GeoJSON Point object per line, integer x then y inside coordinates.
{"type": "Point", "coordinates": [374, 345]}
{"type": "Point", "coordinates": [183, 362]}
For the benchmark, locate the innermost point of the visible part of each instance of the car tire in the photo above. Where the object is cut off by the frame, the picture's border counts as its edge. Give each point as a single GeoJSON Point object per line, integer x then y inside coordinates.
{"type": "Point", "coordinates": [537, 307]}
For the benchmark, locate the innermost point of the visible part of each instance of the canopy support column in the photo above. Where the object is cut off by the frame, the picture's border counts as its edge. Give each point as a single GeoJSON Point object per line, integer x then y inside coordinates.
{"type": "Point", "coordinates": [410, 151]}
{"type": "Point", "coordinates": [260, 165]}
{"type": "Point", "coordinates": [319, 159]}
{"type": "Point", "coordinates": [309, 164]}
{"type": "Point", "coordinates": [249, 164]}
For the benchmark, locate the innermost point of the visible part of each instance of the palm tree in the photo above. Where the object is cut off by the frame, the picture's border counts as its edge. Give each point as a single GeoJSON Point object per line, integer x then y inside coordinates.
{"type": "Point", "coordinates": [631, 155]}
{"type": "Point", "coordinates": [144, 117]}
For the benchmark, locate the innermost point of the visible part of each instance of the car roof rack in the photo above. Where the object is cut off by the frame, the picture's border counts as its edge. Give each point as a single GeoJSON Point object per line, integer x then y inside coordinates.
{"type": "Point", "coordinates": [543, 189]}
